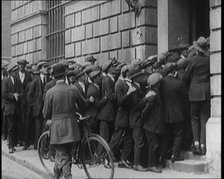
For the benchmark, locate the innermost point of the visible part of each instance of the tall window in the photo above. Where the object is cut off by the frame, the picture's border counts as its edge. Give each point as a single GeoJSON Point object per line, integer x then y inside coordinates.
{"type": "Point", "coordinates": [56, 30]}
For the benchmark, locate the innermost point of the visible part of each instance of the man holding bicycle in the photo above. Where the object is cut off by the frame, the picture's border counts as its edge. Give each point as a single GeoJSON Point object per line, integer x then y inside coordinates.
{"type": "Point", "coordinates": [60, 106]}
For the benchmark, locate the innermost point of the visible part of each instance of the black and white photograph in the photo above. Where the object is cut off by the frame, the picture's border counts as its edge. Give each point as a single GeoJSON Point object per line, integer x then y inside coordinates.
{"type": "Point", "coordinates": [110, 89]}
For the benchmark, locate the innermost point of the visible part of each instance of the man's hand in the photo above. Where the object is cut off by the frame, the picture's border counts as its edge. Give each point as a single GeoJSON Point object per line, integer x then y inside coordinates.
{"type": "Point", "coordinates": [16, 95]}
{"type": "Point", "coordinates": [91, 99]}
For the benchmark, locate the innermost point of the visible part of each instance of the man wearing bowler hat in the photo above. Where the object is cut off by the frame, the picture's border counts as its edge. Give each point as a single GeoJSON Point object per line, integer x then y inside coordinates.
{"type": "Point", "coordinates": [198, 75]}
{"type": "Point", "coordinates": [60, 106]}
{"type": "Point", "coordinates": [23, 125]}
{"type": "Point", "coordinates": [12, 93]}
{"type": "Point", "coordinates": [35, 94]}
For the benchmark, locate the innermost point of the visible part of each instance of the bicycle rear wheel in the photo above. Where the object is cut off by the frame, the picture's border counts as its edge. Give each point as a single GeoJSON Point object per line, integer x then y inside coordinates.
{"type": "Point", "coordinates": [93, 159]}
{"type": "Point", "coordinates": [46, 162]}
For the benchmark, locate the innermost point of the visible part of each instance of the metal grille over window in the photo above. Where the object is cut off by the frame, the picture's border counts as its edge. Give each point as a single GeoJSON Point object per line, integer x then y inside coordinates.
{"type": "Point", "coordinates": [56, 31]}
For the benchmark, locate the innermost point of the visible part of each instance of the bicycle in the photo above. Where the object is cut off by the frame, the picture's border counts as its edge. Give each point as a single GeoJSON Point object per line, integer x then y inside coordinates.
{"type": "Point", "coordinates": [88, 156]}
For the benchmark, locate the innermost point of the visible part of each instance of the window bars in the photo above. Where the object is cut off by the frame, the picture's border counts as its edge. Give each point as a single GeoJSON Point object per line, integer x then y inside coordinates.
{"type": "Point", "coordinates": [56, 31]}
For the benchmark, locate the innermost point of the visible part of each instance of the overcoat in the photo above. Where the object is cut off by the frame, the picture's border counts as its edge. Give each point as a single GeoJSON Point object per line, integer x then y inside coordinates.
{"type": "Point", "coordinates": [122, 117]}
{"type": "Point", "coordinates": [197, 73]}
{"type": "Point", "coordinates": [107, 113]}
{"type": "Point", "coordinates": [174, 98]}
{"type": "Point", "coordinates": [60, 106]}
{"type": "Point", "coordinates": [8, 90]}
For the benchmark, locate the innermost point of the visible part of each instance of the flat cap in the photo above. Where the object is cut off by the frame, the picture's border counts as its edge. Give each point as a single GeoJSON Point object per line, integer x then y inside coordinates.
{"type": "Point", "coordinates": [22, 62]}
{"type": "Point", "coordinates": [135, 69]}
{"type": "Point", "coordinates": [154, 78]}
{"type": "Point", "coordinates": [94, 73]}
{"type": "Point", "coordinates": [170, 66]}
{"type": "Point", "coordinates": [12, 67]}
{"type": "Point", "coordinates": [40, 64]}
{"type": "Point", "coordinates": [106, 64]}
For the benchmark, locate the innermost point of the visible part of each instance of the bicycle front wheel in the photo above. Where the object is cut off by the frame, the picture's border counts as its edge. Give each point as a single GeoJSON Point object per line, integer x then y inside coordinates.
{"type": "Point", "coordinates": [94, 151]}
{"type": "Point", "coordinates": [42, 146]}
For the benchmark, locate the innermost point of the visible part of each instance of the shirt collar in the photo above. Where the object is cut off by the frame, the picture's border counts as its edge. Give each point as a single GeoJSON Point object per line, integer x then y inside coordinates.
{"type": "Point", "coordinates": [60, 82]}
{"type": "Point", "coordinates": [111, 76]}
{"type": "Point", "coordinates": [96, 85]}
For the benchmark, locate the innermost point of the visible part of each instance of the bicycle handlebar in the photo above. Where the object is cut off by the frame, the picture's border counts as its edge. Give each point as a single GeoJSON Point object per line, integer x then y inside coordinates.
{"type": "Point", "coordinates": [80, 117]}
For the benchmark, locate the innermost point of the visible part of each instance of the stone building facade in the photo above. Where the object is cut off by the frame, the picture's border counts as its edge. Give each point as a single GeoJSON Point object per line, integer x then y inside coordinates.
{"type": "Point", "coordinates": [110, 29]}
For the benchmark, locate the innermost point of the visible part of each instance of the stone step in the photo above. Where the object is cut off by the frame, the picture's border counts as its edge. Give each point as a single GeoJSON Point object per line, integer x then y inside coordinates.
{"type": "Point", "coordinates": [189, 166]}
{"type": "Point", "coordinates": [190, 155]}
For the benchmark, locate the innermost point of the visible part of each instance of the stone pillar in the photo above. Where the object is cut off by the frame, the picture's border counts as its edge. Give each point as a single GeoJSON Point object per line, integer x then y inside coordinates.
{"type": "Point", "coordinates": [110, 29]}
{"type": "Point", "coordinates": [28, 30]}
{"type": "Point", "coordinates": [213, 127]}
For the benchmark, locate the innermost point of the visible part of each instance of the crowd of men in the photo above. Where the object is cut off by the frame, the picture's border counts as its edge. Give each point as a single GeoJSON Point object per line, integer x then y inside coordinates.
{"type": "Point", "coordinates": [147, 108]}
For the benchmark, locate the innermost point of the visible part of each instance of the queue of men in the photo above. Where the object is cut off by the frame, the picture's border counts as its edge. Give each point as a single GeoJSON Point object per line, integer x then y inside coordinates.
{"type": "Point", "coordinates": [147, 110]}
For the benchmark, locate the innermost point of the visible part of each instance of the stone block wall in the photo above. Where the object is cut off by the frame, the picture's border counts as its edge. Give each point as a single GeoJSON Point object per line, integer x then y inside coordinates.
{"type": "Point", "coordinates": [28, 30]}
{"type": "Point", "coordinates": [213, 126]}
{"type": "Point", "coordinates": [110, 29]}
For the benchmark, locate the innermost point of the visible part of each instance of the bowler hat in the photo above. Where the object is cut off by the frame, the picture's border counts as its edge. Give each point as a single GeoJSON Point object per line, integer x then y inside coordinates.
{"type": "Point", "coordinates": [154, 78]}
{"type": "Point", "coordinates": [106, 64]}
{"type": "Point", "coordinates": [94, 73]}
{"type": "Point", "coordinates": [135, 69]}
{"type": "Point", "coordinates": [12, 67]}
{"type": "Point", "coordinates": [22, 62]}
{"type": "Point", "coordinates": [40, 64]}
{"type": "Point", "coordinates": [58, 70]}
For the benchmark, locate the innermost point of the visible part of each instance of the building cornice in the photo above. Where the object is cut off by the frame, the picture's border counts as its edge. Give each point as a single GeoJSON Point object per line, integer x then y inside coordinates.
{"type": "Point", "coordinates": [27, 17]}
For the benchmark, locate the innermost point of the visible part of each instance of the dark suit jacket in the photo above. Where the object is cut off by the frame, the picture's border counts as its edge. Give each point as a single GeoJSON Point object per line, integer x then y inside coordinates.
{"type": "Point", "coordinates": [35, 95]}
{"type": "Point", "coordinates": [197, 72]}
{"type": "Point", "coordinates": [8, 90]}
{"type": "Point", "coordinates": [107, 113]}
{"type": "Point", "coordinates": [152, 114]}
{"type": "Point", "coordinates": [48, 86]}
{"type": "Point", "coordinates": [137, 102]}
{"type": "Point", "coordinates": [99, 102]}
{"type": "Point", "coordinates": [122, 118]}
{"type": "Point", "coordinates": [174, 98]}
{"type": "Point", "coordinates": [60, 107]}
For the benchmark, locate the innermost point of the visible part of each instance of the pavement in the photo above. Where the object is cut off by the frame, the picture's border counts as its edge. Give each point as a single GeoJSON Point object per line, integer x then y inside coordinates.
{"type": "Point", "coordinates": [30, 160]}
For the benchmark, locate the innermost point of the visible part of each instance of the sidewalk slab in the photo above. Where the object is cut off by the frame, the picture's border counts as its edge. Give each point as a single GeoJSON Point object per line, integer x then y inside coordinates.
{"type": "Point", "coordinates": [29, 159]}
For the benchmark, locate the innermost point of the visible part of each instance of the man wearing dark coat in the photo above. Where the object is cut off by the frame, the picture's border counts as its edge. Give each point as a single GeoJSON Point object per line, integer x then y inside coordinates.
{"type": "Point", "coordinates": [60, 106]}
{"type": "Point", "coordinates": [12, 92]}
{"type": "Point", "coordinates": [35, 94]}
{"type": "Point", "coordinates": [122, 129]}
{"type": "Point", "coordinates": [174, 98]}
{"type": "Point", "coordinates": [198, 75]}
{"type": "Point", "coordinates": [24, 78]}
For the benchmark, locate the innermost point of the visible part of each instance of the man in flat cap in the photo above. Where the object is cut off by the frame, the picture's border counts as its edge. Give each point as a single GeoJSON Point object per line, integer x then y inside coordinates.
{"type": "Point", "coordinates": [12, 93]}
{"type": "Point", "coordinates": [122, 129]}
{"type": "Point", "coordinates": [107, 113]}
{"type": "Point", "coordinates": [198, 75]}
{"type": "Point", "coordinates": [35, 94]}
{"type": "Point", "coordinates": [24, 78]}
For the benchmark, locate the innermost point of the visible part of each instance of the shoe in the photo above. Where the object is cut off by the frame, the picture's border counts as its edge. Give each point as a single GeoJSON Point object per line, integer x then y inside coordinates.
{"type": "Point", "coordinates": [196, 150]}
{"type": "Point", "coordinates": [203, 150]}
{"type": "Point", "coordinates": [176, 158]}
{"type": "Point", "coordinates": [11, 150]}
{"type": "Point", "coordinates": [124, 164]}
{"type": "Point", "coordinates": [139, 168]}
{"type": "Point", "coordinates": [155, 169]}
{"type": "Point", "coordinates": [107, 164]}
{"type": "Point", "coordinates": [162, 163]}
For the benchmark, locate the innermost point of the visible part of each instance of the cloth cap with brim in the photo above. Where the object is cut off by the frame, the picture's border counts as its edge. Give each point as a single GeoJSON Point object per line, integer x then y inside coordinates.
{"type": "Point", "coordinates": [181, 63]}
{"type": "Point", "coordinates": [170, 66]}
{"type": "Point", "coordinates": [135, 69]}
{"type": "Point", "coordinates": [91, 68]}
{"type": "Point", "coordinates": [40, 64]}
{"type": "Point", "coordinates": [71, 73]}
{"type": "Point", "coordinates": [84, 65]}
{"type": "Point", "coordinates": [90, 58]}
{"type": "Point", "coordinates": [124, 69]}
{"type": "Point", "coordinates": [58, 70]}
{"type": "Point", "coordinates": [29, 66]}
{"type": "Point", "coordinates": [78, 72]}
{"type": "Point", "coordinates": [120, 66]}
{"type": "Point", "coordinates": [22, 62]}
{"type": "Point", "coordinates": [149, 61]}
{"type": "Point", "coordinates": [94, 73]}
{"type": "Point", "coordinates": [162, 57]}
{"type": "Point", "coordinates": [12, 67]}
{"type": "Point", "coordinates": [106, 64]}
{"type": "Point", "coordinates": [154, 79]}
{"type": "Point", "coordinates": [71, 61]}
{"type": "Point", "coordinates": [201, 45]}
